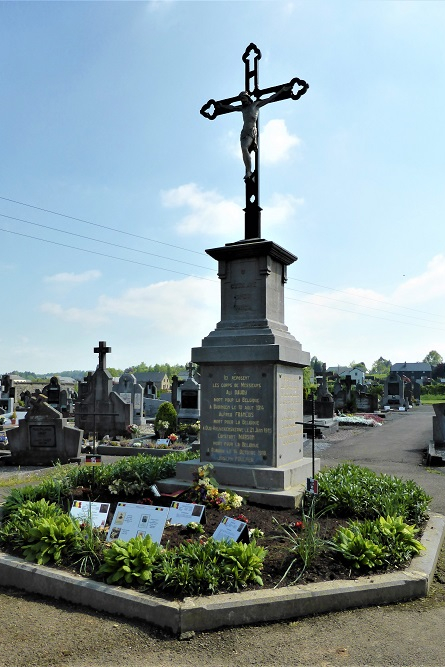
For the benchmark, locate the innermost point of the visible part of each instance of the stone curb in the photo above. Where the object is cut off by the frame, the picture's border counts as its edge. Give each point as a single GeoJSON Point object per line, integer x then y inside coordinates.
{"type": "Point", "coordinates": [228, 609]}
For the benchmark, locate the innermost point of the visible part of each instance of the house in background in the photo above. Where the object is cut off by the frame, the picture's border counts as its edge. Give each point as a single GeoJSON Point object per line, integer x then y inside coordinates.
{"type": "Point", "coordinates": [419, 371]}
{"type": "Point", "coordinates": [357, 375]}
{"type": "Point", "coordinates": [159, 379]}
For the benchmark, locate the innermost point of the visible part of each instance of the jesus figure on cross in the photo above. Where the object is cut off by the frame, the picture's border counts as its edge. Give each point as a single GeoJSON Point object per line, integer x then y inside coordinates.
{"type": "Point", "coordinates": [249, 132]}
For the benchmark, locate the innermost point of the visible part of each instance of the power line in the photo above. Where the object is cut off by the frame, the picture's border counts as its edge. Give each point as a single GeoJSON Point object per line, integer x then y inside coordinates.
{"type": "Point", "coordinates": [369, 298]}
{"type": "Point", "coordinates": [89, 238]}
{"type": "Point", "coordinates": [95, 224]}
{"type": "Point", "coordinates": [113, 229]}
{"type": "Point", "coordinates": [101, 254]}
{"type": "Point", "coordinates": [375, 317]}
{"type": "Point", "coordinates": [349, 303]}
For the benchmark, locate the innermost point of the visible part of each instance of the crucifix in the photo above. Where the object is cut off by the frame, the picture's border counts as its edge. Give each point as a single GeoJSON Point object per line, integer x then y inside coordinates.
{"type": "Point", "coordinates": [102, 351]}
{"type": "Point", "coordinates": [249, 102]}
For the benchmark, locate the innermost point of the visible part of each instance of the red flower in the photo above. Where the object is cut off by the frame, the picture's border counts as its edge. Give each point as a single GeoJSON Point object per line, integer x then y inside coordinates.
{"type": "Point", "coordinates": [241, 517]}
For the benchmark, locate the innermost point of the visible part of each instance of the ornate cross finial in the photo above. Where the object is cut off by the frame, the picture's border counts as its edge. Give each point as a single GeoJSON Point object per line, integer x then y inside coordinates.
{"type": "Point", "coordinates": [189, 368]}
{"type": "Point", "coordinates": [249, 103]}
{"type": "Point", "coordinates": [102, 351]}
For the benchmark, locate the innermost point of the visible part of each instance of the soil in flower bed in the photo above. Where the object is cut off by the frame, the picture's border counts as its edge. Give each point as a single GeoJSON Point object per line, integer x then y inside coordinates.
{"type": "Point", "coordinates": [323, 568]}
{"type": "Point", "coordinates": [279, 557]}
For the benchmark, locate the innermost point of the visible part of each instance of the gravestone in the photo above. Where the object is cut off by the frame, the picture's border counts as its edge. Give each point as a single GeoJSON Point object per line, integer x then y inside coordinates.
{"type": "Point", "coordinates": [365, 401]}
{"type": "Point", "coordinates": [324, 405]}
{"type": "Point", "coordinates": [189, 399]}
{"type": "Point", "coordinates": [52, 392]}
{"type": "Point", "coordinates": [132, 393]}
{"type": "Point", "coordinates": [43, 437]}
{"type": "Point", "coordinates": [393, 392]}
{"type": "Point", "coordinates": [339, 396]}
{"type": "Point", "coordinates": [439, 424]}
{"type": "Point", "coordinates": [6, 393]}
{"type": "Point", "coordinates": [99, 409]}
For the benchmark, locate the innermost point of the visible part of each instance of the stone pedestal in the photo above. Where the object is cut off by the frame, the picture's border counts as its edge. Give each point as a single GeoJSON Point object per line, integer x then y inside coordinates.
{"type": "Point", "coordinates": [252, 380]}
{"type": "Point", "coordinates": [43, 438]}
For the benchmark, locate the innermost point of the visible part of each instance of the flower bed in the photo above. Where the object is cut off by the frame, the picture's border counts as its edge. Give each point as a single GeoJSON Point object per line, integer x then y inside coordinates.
{"type": "Point", "coordinates": [359, 522]}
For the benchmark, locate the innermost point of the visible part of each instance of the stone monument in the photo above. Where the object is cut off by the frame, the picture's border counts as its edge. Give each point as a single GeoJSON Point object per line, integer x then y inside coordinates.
{"type": "Point", "coordinates": [131, 392]}
{"type": "Point", "coordinates": [251, 365]}
{"type": "Point", "coordinates": [100, 410]}
{"type": "Point", "coordinates": [43, 437]}
{"type": "Point", "coordinates": [189, 399]}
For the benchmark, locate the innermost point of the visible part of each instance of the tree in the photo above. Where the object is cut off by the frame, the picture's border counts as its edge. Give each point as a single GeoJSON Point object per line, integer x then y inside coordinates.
{"type": "Point", "coordinates": [360, 365]}
{"type": "Point", "coordinates": [433, 358]}
{"type": "Point", "coordinates": [438, 371]}
{"type": "Point", "coordinates": [115, 372]}
{"type": "Point", "coordinates": [381, 366]}
{"type": "Point", "coordinates": [166, 414]}
{"type": "Point", "coordinates": [317, 365]}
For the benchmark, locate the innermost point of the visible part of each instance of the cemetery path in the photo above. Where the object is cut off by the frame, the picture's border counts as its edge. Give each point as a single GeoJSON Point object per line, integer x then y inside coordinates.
{"type": "Point", "coordinates": [396, 448]}
{"type": "Point", "coordinates": [40, 633]}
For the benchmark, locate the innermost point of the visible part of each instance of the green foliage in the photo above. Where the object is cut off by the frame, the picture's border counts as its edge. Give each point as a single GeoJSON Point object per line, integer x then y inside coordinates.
{"type": "Point", "coordinates": [49, 539]}
{"type": "Point", "coordinates": [370, 544]}
{"type": "Point", "coordinates": [130, 475]}
{"type": "Point", "coordinates": [22, 514]}
{"type": "Point", "coordinates": [192, 568]}
{"type": "Point", "coordinates": [360, 365]}
{"type": "Point", "coordinates": [350, 490]}
{"type": "Point", "coordinates": [242, 564]}
{"type": "Point", "coordinates": [52, 490]}
{"type": "Point", "coordinates": [433, 358]}
{"type": "Point", "coordinates": [316, 365]}
{"type": "Point", "coordinates": [381, 366]}
{"type": "Point", "coordinates": [166, 413]}
{"type": "Point", "coordinates": [130, 562]}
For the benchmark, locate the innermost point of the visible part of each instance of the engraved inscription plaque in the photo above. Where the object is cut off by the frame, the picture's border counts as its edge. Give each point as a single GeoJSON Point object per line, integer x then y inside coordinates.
{"type": "Point", "coordinates": [42, 436]}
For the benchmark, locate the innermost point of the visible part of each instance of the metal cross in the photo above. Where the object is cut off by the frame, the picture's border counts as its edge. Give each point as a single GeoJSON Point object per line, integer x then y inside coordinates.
{"type": "Point", "coordinates": [250, 138]}
{"type": "Point", "coordinates": [102, 351]}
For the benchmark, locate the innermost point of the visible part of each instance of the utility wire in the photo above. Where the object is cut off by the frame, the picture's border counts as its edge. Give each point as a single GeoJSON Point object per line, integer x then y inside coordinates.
{"type": "Point", "coordinates": [369, 298]}
{"type": "Point", "coordinates": [89, 238]}
{"type": "Point", "coordinates": [113, 229]}
{"type": "Point", "coordinates": [102, 254]}
{"type": "Point", "coordinates": [350, 303]}
{"type": "Point", "coordinates": [375, 317]}
{"type": "Point", "coordinates": [95, 224]}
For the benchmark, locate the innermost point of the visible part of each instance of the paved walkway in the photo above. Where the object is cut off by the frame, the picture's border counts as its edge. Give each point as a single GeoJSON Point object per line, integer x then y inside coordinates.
{"type": "Point", "coordinates": [396, 448]}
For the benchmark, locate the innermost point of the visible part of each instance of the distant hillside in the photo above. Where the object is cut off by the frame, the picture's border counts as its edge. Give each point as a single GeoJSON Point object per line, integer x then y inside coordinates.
{"type": "Point", "coordinates": [32, 377]}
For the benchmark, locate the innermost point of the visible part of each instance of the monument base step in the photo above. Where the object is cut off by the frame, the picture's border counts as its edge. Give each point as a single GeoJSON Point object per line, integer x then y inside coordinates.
{"type": "Point", "coordinates": [275, 487]}
{"type": "Point", "coordinates": [288, 499]}
{"type": "Point", "coordinates": [253, 477]}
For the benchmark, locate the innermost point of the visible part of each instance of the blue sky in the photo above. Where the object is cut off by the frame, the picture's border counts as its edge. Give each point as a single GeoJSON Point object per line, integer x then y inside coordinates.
{"type": "Point", "coordinates": [100, 124]}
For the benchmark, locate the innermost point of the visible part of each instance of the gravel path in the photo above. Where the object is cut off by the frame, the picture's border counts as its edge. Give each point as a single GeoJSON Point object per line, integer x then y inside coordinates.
{"type": "Point", "coordinates": [40, 633]}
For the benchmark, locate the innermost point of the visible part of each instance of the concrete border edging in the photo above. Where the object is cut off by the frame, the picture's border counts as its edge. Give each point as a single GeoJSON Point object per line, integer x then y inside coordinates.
{"type": "Point", "coordinates": [232, 609]}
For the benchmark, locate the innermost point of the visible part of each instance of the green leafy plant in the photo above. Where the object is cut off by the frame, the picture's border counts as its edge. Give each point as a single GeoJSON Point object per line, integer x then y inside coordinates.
{"type": "Point", "coordinates": [49, 539]}
{"type": "Point", "coordinates": [371, 543]}
{"type": "Point", "coordinates": [242, 564]}
{"type": "Point", "coordinates": [130, 562]}
{"type": "Point", "coordinates": [350, 490]}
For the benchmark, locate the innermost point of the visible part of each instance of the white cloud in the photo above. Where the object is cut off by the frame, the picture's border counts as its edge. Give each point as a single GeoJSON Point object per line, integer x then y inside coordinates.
{"type": "Point", "coordinates": [281, 210]}
{"type": "Point", "coordinates": [89, 318]}
{"type": "Point", "coordinates": [276, 142]}
{"type": "Point", "coordinates": [210, 213]}
{"type": "Point", "coordinates": [427, 286]}
{"type": "Point", "coordinates": [165, 310]}
{"type": "Point", "coordinates": [213, 215]}
{"type": "Point", "coordinates": [73, 278]}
